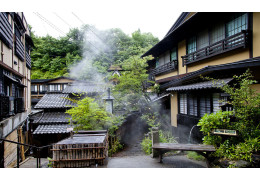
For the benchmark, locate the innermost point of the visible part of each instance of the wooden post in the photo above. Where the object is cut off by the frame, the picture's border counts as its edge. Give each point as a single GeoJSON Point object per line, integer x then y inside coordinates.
{"type": "Point", "coordinates": [21, 141]}
{"type": "Point", "coordinates": [155, 139]}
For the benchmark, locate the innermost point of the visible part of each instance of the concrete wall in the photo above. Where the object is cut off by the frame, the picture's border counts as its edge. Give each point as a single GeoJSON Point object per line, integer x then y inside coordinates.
{"type": "Point", "coordinates": [256, 34]}
{"type": "Point", "coordinates": [174, 109]}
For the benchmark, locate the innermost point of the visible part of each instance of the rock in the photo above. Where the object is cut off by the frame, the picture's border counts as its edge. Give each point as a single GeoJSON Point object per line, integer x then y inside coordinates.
{"type": "Point", "coordinates": [242, 164]}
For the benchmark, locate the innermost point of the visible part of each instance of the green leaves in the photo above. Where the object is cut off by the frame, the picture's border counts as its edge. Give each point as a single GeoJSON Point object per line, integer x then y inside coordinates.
{"type": "Point", "coordinates": [245, 119]}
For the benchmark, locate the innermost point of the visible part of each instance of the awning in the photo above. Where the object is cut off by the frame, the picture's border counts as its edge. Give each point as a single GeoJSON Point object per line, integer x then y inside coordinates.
{"type": "Point", "coordinates": [160, 97]}
{"type": "Point", "coordinates": [201, 85]}
{"type": "Point", "coordinates": [29, 40]}
{"type": "Point", "coordinates": [11, 78]}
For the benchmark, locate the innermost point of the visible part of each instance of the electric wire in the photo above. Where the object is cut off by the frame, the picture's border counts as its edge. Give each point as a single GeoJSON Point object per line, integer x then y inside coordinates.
{"type": "Point", "coordinates": [49, 23]}
{"type": "Point", "coordinates": [63, 20]}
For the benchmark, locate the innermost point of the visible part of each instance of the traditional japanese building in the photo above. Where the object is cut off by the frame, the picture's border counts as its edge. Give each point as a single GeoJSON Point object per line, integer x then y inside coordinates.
{"type": "Point", "coordinates": [41, 86]}
{"type": "Point", "coordinates": [15, 83]}
{"type": "Point", "coordinates": [50, 125]}
{"type": "Point", "coordinates": [217, 45]}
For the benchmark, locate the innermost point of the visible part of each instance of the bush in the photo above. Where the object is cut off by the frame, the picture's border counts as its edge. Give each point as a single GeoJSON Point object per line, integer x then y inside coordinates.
{"type": "Point", "coordinates": [195, 156]}
{"type": "Point", "coordinates": [244, 119]}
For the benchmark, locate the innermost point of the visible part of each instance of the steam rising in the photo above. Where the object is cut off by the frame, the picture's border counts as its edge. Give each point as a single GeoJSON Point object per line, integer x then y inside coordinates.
{"type": "Point", "coordinates": [93, 47]}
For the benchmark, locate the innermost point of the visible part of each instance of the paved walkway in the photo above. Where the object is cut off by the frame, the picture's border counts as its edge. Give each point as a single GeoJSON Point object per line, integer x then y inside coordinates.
{"type": "Point", "coordinates": [31, 162]}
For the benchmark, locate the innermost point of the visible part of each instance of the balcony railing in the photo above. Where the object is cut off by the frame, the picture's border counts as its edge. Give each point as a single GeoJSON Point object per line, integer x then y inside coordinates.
{"type": "Point", "coordinates": [233, 42]}
{"type": "Point", "coordinates": [4, 106]}
{"type": "Point", "coordinates": [28, 60]}
{"type": "Point", "coordinates": [165, 68]}
{"type": "Point", "coordinates": [18, 105]}
{"type": "Point", "coordinates": [19, 49]}
{"type": "Point", "coordinates": [6, 34]}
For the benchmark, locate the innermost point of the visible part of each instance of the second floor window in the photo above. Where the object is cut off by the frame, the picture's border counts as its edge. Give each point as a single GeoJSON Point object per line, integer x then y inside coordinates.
{"type": "Point", "coordinates": [236, 23]}
{"type": "Point", "coordinates": [43, 88]}
{"type": "Point", "coordinates": [191, 45]}
{"type": "Point", "coordinates": [173, 54]}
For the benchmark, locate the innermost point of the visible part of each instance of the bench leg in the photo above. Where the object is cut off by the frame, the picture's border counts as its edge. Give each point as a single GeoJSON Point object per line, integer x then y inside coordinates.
{"type": "Point", "coordinates": [160, 157]}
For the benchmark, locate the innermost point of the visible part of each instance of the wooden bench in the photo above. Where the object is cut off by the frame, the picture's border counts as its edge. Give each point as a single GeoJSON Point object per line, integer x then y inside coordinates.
{"type": "Point", "coordinates": [160, 148]}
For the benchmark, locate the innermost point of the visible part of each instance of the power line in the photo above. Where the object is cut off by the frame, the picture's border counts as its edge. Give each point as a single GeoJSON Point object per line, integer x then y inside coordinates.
{"type": "Point", "coordinates": [89, 28]}
{"type": "Point", "coordinates": [49, 23]}
{"type": "Point", "coordinates": [63, 20]}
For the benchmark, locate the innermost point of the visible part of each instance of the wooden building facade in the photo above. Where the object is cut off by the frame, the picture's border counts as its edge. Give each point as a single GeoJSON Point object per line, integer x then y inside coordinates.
{"type": "Point", "coordinates": [15, 82]}
{"type": "Point", "coordinates": [218, 45]}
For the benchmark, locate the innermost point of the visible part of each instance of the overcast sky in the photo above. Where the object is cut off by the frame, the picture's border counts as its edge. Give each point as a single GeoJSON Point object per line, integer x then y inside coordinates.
{"type": "Point", "coordinates": [55, 17]}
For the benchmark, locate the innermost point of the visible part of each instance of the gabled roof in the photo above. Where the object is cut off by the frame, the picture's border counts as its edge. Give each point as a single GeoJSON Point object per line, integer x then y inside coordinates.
{"type": "Point", "coordinates": [54, 100]}
{"type": "Point", "coordinates": [53, 118]}
{"type": "Point", "coordinates": [52, 129]}
{"type": "Point", "coordinates": [201, 85]}
{"type": "Point", "coordinates": [243, 64]}
{"type": "Point", "coordinates": [84, 88]}
{"type": "Point", "coordinates": [48, 80]}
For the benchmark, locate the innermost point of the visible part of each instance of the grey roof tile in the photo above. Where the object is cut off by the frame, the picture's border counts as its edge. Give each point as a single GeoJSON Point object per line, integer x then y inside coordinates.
{"type": "Point", "coordinates": [201, 85]}
{"type": "Point", "coordinates": [84, 88]}
{"type": "Point", "coordinates": [51, 129]}
{"type": "Point", "coordinates": [54, 100]}
{"type": "Point", "coordinates": [53, 118]}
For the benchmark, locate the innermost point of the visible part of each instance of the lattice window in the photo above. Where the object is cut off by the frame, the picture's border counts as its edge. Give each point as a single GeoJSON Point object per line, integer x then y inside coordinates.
{"type": "Point", "coordinates": [205, 106]}
{"type": "Point", "coordinates": [183, 103]}
{"type": "Point", "coordinates": [237, 23]}
{"type": "Point", "coordinates": [193, 105]}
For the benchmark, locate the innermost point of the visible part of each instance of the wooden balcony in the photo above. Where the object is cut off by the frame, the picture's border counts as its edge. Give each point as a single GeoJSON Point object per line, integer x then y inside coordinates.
{"type": "Point", "coordinates": [28, 60]}
{"type": "Point", "coordinates": [165, 68]}
{"type": "Point", "coordinates": [18, 105]}
{"type": "Point", "coordinates": [4, 106]}
{"type": "Point", "coordinates": [6, 34]}
{"type": "Point", "coordinates": [233, 42]}
{"type": "Point", "coordinates": [19, 48]}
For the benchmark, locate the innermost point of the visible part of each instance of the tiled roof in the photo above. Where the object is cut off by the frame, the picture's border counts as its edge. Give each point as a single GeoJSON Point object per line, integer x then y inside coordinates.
{"type": "Point", "coordinates": [84, 139]}
{"type": "Point", "coordinates": [201, 85]}
{"type": "Point", "coordinates": [51, 129]}
{"type": "Point", "coordinates": [54, 100]}
{"type": "Point", "coordinates": [53, 118]}
{"type": "Point", "coordinates": [82, 87]}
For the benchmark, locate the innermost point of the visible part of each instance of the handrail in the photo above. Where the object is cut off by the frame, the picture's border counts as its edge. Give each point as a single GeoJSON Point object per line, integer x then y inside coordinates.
{"type": "Point", "coordinates": [166, 67]}
{"type": "Point", "coordinates": [227, 44]}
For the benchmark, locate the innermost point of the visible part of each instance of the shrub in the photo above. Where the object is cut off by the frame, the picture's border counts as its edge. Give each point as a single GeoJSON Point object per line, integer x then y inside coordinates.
{"type": "Point", "coordinates": [245, 119]}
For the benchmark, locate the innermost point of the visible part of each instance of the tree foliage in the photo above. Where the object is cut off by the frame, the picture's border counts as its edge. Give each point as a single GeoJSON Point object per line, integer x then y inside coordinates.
{"type": "Point", "coordinates": [53, 57]}
{"type": "Point", "coordinates": [244, 118]}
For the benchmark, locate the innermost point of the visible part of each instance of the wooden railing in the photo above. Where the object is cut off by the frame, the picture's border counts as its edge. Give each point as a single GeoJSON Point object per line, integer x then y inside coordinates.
{"type": "Point", "coordinates": [4, 106]}
{"type": "Point", "coordinates": [19, 48]}
{"type": "Point", "coordinates": [6, 34]}
{"type": "Point", "coordinates": [165, 68]}
{"type": "Point", "coordinates": [18, 105]}
{"type": "Point", "coordinates": [28, 60]}
{"type": "Point", "coordinates": [233, 42]}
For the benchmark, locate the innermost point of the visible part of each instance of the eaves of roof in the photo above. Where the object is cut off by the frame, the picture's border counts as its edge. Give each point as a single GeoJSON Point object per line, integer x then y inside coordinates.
{"type": "Point", "coordinates": [251, 62]}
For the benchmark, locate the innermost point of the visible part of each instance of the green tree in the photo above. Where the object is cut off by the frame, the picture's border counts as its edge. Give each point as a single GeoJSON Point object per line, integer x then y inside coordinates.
{"type": "Point", "coordinates": [244, 118]}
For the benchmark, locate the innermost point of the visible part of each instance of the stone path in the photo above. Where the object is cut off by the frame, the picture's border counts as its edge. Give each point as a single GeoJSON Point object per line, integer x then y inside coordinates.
{"type": "Point", "coordinates": [30, 162]}
{"type": "Point", "coordinates": [143, 161]}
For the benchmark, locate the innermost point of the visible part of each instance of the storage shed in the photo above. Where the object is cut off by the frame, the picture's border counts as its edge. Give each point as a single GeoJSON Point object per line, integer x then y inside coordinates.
{"type": "Point", "coordinates": [81, 150]}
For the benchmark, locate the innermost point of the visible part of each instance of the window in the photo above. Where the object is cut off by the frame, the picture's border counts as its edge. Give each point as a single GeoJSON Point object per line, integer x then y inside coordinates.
{"type": "Point", "coordinates": [157, 62]}
{"type": "Point", "coordinates": [193, 105]}
{"type": "Point", "coordinates": [202, 39]}
{"type": "Point", "coordinates": [54, 87]}
{"type": "Point", "coordinates": [34, 89]}
{"type": "Point", "coordinates": [43, 89]}
{"type": "Point", "coordinates": [183, 103]}
{"type": "Point", "coordinates": [217, 33]}
{"type": "Point", "coordinates": [237, 23]}
{"type": "Point", "coordinates": [64, 86]}
{"type": "Point", "coordinates": [205, 106]}
{"type": "Point", "coordinates": [191, 45]}
{"type": "Point", "coordinates": [174, 54]}
{"type": "Point", "coordinates": [216, 102]}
